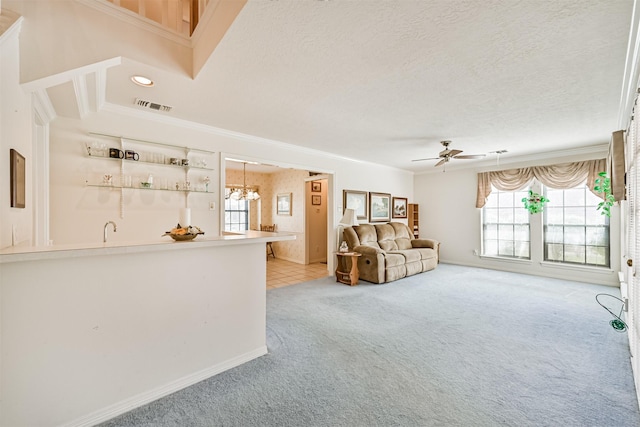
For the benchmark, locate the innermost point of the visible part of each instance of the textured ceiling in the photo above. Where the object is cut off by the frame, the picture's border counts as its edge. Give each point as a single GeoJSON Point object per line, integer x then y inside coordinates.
{"type": "Point", "coordinates": [385, 81]}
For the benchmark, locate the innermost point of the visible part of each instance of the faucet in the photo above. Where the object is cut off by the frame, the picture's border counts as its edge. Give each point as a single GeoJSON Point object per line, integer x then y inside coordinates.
{"type": "Point", "coordinates": [105, 229]}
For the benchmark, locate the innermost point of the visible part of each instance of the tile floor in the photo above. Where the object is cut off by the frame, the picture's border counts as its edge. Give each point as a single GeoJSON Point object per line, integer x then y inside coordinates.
{"type": "Point", "coordinates": [284, 273]}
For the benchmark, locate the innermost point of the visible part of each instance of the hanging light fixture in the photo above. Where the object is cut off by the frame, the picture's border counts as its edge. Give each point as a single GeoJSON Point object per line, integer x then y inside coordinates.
{"type": "Point", "coordinates": [244, 193]}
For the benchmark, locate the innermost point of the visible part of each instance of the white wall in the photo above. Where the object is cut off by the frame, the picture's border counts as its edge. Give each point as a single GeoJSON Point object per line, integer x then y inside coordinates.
{"type": "Point", "coordinates": [15, 132]}
{"type": "Point", "coordinates": [448, 214]}
{"type": "Point", "coordinates": [78, 213]}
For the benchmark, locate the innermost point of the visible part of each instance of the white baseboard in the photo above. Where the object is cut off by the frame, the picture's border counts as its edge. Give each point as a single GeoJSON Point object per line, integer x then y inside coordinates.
{"type": "Point", "coordinates": [149, 396]}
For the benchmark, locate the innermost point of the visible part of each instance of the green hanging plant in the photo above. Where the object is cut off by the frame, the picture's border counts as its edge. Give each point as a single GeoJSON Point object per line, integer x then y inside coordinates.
{"type": "Point", "coordinates": [603, 185]}
{"type": "Point", "coordinates": [534, 203]}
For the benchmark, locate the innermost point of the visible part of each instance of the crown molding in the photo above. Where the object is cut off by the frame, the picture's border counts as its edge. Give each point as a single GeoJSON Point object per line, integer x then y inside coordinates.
{"type": "Point", "coordinates": [161, 118]}
{"type": "Point", "coordinates": [136, 20]}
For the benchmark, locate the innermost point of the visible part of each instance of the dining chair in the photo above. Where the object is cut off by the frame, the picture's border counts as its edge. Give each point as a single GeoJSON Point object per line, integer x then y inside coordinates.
{"type": "Point", "coordinates": [271, 228]}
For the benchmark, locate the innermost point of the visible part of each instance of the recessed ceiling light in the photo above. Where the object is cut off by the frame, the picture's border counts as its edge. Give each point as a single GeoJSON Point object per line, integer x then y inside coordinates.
{"type": "Point", "coordinates": [142, 81]}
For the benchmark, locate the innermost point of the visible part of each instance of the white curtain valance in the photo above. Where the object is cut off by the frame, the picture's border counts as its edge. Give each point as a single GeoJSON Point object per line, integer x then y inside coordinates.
{"type": "Point", "coordinates": [561, 176]}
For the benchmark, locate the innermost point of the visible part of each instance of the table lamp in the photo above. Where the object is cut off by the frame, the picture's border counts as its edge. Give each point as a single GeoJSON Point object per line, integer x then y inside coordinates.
{"type": "Point", "coordinates": [348, 219]}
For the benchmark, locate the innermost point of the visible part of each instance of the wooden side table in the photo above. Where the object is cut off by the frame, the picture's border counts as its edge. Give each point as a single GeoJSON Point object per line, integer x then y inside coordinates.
{"type": "Point", "coordinates": [351, 277]}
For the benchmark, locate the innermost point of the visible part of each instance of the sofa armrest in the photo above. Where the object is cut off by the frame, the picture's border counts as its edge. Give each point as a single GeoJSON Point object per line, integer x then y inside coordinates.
{"type": "Point", "coordinates": [368, 250]}
{"type": "Point", "coordinates": [425, 243]}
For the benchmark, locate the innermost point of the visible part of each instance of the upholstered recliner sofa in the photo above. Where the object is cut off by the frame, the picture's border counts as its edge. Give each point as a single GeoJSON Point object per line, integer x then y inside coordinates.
{"type": "Point", "coordinates": [390, 252]}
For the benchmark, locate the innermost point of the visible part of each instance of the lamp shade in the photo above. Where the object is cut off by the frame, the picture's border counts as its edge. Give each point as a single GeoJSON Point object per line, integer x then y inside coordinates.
{"type": "Point", "coordinates": [349, 218]}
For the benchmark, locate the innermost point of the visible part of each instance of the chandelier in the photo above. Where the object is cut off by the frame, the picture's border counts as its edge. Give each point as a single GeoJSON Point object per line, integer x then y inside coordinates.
{"type": "Point", "coordinates": [244, 193]}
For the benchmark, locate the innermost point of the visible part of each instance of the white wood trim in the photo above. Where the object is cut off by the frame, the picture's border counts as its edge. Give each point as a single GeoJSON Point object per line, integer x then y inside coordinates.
{"type": "Point", "coordinates": [43, 108]}
{"type": "Point", "coordinates": [65, 76]}
{"type": "Point", "coordinates": [631, 71]}
{"type": "Point", "coordinates": [155, 394]}
{"type": "Point", "coordinates": [137, 20]}
{"type": "Point", "coordinates": [101, 88]}
{"type": "Point", "coordinates": [82, 94]}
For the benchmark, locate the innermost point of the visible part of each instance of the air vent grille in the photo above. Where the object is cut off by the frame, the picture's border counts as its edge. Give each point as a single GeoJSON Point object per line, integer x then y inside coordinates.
{"type": "Point", "coordinates": [152, 105]}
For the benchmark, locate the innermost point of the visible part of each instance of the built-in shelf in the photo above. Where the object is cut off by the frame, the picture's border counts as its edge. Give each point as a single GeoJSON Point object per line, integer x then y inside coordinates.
{"type": "Point", "coordinates": [136, 157]}
{"type": "Point", "coordinates": [414, 219]}
{"type": "Point", "coordinates": [142, 162]}
{"type": "Point", "coordinates": [118, 187]}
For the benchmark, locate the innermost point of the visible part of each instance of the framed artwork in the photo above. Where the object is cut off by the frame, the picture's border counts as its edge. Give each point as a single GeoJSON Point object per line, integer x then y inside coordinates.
{"type": "Point", "coordinates": [379, 207]}
{"type": "Point", "coordinates": [316, 186]}
{"type": "Point", "coordinates": [18, 183]}
{"type": "Point", "coordinates": [399, 207]}
{"type": "Point", "coordinates": [283, 203]}
{"type": "Point", "coordinates": [356, 200]}
{"type": "Point", "coordinates": [316, 199]}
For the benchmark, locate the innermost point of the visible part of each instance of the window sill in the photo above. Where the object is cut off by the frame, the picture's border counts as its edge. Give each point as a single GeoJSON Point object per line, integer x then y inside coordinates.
{"type": "Point", "coordinates": [506, 259]}
{"type": "Point", "coordinates": [564, 266]}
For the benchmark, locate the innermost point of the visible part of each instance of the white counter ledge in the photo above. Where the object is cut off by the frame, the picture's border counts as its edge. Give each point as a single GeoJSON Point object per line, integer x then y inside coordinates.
{"type": "Point", "coordinates": [33, 253]}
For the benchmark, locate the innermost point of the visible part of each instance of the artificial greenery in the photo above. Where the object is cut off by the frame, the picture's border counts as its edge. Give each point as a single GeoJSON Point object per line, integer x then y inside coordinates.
{"type": "Point", "coordinates": [603, 185]}
{"type": "Point", "coordinates": [535, 202]}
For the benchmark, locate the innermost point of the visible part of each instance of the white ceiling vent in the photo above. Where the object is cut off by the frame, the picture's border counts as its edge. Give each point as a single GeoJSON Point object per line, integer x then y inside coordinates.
{"type": "Point", "coordinates": [152, 105]}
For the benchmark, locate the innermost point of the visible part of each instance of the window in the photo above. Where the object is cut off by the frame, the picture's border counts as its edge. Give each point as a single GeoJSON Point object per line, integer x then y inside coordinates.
{"type": "Point", "coordinates": [574, 231]}
{"type": "Point", "coordinates": [236, 213]}
{"type": "Point", "coordinates": [505, 225]}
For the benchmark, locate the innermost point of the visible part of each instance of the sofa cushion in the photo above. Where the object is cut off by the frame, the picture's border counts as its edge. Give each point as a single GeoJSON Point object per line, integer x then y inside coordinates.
{"type": "Point", "coordinates": [410, 255]}
{"type": "Point", "coordinates": [403, 235]}
{"type": "Point", "coordinates": [426, 253]}
{"type": "Point", "coordinates": [386, 237]}
{"type": "Point", "coordinates": [367, 235]}
{"type": "Point", "coordinates": [394, 259]}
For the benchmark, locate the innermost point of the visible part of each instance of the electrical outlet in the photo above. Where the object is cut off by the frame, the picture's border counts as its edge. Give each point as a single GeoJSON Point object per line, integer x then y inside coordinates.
{"type": "Point", "coordinates": [212, 206]}
{"type": "Point", "coordinates": [475, 252]}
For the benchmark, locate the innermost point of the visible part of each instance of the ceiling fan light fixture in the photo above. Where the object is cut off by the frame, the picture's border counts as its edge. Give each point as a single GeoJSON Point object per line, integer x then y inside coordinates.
{"type": "Point", "coordinates": [142, 81]}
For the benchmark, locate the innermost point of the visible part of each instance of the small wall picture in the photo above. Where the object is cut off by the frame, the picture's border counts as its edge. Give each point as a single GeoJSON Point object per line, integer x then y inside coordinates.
{"type": "Point", "coordinates": [316, 186]}
{"type": "Point", "coordinates": [399, 207]}
{"type": "Point", "coordinates": [316, 199]}
{"type": "Point", "coordinates": [356, 200]}
{"type": "Point", "coordinates": [18, 180]}
{"type": "Point", "coordinates": [283, 203]}
{"type": "Point", "coordinates": [379, 207]}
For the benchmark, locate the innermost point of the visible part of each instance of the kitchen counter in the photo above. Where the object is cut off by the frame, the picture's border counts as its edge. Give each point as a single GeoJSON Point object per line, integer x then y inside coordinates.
{"type": "Point", "coordinates": [91, 331]}
{"type": "Point", "coordinates": [32, 253]}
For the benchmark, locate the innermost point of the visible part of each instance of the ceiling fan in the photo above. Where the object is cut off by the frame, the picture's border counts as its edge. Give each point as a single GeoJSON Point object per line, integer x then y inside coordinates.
{"type": "Point", "coordinates": [448, 154]}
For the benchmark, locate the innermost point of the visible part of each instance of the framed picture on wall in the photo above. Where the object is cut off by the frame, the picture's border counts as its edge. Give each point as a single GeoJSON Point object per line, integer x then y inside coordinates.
{"type": "Point", "coordinates": [379, 207]}
{"type": "Point", "coordinates": [399, 207]}
{"type": "Point", "coordinates": [18, 183]}
{"type": "Point", "coordinates": [316, 186]}
{"type": "Point", "coordinates": [316, 199]}
{"type": "Point", "coordinates": [356, 200]}
{"type": "Point", "coordinates": [283, 203]}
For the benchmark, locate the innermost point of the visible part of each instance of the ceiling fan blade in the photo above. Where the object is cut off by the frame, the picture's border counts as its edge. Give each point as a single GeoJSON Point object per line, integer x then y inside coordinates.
{"type": "Point", "coordinates": [441, 162]}
{"type": "Point", "coordinates": [453, 153]}
{"type": "Point", "coordinates": [420, 160]}
{"type": "Point", "coordinates": [471, 156]}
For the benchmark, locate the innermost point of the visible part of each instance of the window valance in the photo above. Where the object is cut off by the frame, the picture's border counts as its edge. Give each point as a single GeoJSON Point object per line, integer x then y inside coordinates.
{"type": "Point", "coordinates": [561, 176]}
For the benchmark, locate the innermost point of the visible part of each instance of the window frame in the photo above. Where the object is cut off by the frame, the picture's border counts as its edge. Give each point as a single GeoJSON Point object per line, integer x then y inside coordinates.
{"type": "Point", "coordinates": [566, 227]}
{"type": "Point", "coordinates": [227, 210]}
{"type": "Point", "coordinates": [484, 225]}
